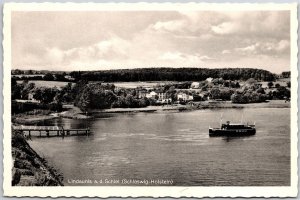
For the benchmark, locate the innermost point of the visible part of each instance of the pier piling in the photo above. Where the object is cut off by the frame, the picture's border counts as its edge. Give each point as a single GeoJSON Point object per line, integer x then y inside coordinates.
{"type": "Point", "coordinates": [60, 131]}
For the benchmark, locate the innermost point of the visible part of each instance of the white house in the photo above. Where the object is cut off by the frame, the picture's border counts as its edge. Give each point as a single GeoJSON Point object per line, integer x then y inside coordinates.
{"type": "Point", "coordinates": [30, 96]}
{"type": "Point", "coordinates": [69, 78]}
{"type": "Point", "coordinates": [195, 85]}
{"type": "Point", "coordinates": [142, 93]}
{"type": "Point", "coordinates": [209, 79]}
{"type": "Point", "coordinates": [184, 97]}
{"type": "Point", "coordinates": [151, 95]}
{"type": "Point", "coordinates": [161, 95]}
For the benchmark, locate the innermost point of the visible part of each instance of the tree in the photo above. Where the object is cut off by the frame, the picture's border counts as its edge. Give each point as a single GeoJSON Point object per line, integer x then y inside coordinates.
{"type": "Point", "coordinates": [248, 96]}
{"type": "Point", "coordinates": [45, 95]}
{"type": "Point", "coordinates": [226, 94]}
{"type": "Point", "coordinates": [48, 77]}
{"type": "Point", "coordinates": [25, 82]}
{"type": "Point", "coordinates": [237, 98]}
{"type": "Point", "coordinates": [215, 93]}
{"type": "Point", "coordinates": [260, 90]}
{"type": "Point", "coordinates": [288, 84]}
{"type": "Point", "coordinates": [144, 102]}
{"type": "Point", "coordinates": [119, 102]}
{"type": "Point", "coordinates": [84, 100]}
{"type": "Point", "coordinates": [277, 85]}
{"type": "Point", "coordinates": [171, 93]}
{"type": "Point", "coordinates": [130, 101]}
{"type": "Point", "coordinates": [59, 77]}
{"type": "Point", "coordinates": [251, 81]}
{"type": "Point", "coordinates": [226, 84]}
{"type": "Point", "coordinates": [16, 89]}
{"type": "Point", "coordinates": [95, 96]}
{"type": "Point", "coordinates": [281, 93]}
{"type": "Point", "coordinates": [133, 92]}
{"type": "Point", "coordinates": [13, 82]}
{"type": "Point", "coordinates": [27, 89]}
{"type": "Point", "coordinates": [270, 84]}
{"type": "Point", "coordinates": [286, 74]}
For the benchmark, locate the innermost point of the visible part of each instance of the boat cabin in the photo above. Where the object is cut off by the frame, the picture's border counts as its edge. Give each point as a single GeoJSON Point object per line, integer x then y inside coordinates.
{"type": "Point", "coordinates": [233, 126]}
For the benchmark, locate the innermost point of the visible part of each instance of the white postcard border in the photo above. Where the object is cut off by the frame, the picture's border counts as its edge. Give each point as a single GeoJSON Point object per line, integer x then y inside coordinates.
{"type": "Point", "coordinates": [146, 191]}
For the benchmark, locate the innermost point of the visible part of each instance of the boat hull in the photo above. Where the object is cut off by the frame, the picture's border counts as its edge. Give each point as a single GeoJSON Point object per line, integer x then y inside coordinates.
{"type": "Point", "coordinates": [231, 132]}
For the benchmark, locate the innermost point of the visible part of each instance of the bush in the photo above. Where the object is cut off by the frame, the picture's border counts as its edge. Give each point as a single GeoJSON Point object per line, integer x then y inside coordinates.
{"type": "Point", "coordinates": [48, 77]}
{"type": "Point", "coordinates": [248, 97]}
{"type": "Point", "coordinates": [57, 107]}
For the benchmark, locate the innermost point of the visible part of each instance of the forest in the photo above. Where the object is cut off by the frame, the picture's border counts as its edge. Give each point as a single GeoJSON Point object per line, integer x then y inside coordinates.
{"type": "Point", "coordinates": [173, 74]}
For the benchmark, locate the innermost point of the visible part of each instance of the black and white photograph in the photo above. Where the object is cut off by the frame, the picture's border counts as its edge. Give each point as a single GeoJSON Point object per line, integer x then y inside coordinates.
{"type": "Point", "coordinates": [163, 98]}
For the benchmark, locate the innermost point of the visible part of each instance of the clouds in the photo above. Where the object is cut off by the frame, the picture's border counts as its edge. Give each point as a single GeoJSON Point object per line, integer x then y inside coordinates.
{"type": "Point", "coordinates": [263, 24]}
{"type": "Point", "coordinates": [266, 48]}
{"type": "Point", "coordinates": [175, 25]}
{"type": "Point", "coordinates": [225, 28]}
{"type": "Point", "coordinates": [109, 40]}
{"type": "Point", "coordinates": [226, 51]}
{"type": "Point", "coordinates": [185, 60]}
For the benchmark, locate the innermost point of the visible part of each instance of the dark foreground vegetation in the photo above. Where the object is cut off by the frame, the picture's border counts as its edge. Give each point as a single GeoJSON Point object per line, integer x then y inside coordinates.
{"type": "Point", "coordinates": [29, 169]}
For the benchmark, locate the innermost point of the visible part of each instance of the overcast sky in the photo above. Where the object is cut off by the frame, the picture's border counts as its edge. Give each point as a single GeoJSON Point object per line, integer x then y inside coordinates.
{"type": "Point", "coordinates": [120, 39]}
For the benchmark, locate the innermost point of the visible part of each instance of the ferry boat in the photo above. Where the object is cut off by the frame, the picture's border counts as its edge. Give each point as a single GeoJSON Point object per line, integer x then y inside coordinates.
{"type": "Point", "coordinates": [229, 129]}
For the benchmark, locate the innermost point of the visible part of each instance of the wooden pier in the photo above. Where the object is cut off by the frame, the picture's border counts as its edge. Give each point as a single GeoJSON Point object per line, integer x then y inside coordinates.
{"type": "Point", "coordinates": [50, 131]}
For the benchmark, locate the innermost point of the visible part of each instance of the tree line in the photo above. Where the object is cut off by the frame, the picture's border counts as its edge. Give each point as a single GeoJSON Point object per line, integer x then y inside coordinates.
{"type": "Point", "coordinates": [173, 74]}
{"type": "Point", "coordinates": [98, 95]}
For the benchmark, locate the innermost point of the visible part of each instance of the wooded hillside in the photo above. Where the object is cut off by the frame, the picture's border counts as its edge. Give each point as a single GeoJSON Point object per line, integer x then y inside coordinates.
{"type": "Point", "coordinates": [173, 74]}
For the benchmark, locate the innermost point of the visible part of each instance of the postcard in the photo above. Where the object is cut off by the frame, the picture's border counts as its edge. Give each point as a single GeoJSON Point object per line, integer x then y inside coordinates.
{"type": "Point", "coordinates": [150, 100]}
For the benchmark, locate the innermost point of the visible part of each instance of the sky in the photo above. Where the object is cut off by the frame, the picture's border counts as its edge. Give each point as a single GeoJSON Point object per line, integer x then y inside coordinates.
{"type": "Point", "coordinates": [100, 40]}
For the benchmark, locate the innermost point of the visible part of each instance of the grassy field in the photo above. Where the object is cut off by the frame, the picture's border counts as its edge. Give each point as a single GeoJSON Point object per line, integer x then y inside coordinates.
{"type": "Point", "coordinates": [49, 84]}
{"type": "Point", "coordinates": [280, 82]}
{"type": "Point", "coordinates": [141, 84]}
{"type": "Point", "coordinates": [130, 85]}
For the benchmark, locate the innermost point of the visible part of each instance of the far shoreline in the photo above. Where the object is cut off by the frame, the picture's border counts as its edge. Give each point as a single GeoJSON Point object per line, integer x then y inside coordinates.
{"type": "Point", "coordinates": [197, 106]}
{"type": "Point", "coordinates": [75, 113]}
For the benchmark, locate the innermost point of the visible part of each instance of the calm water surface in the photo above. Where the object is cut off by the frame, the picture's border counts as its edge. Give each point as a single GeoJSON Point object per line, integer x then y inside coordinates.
{"type": "Point", "coordinates": [175, 145]}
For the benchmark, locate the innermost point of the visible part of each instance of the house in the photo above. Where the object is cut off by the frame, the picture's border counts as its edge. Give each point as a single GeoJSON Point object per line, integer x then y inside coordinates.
{"type": "Point", "coordinates": [30, 96]}
{"type": "Point", "coordinates": [161, 95]}
{"type": "Point", "coordinates": [181, 96]}
{"type": "Point", "coordinates": [141, 93]}
{"type": "Point", "coordinates": [209, 79]}
{"type": "Point", "coordinates": [195, 85]}
{"type": "Point", "coordinates": [151, 95]}
{"type": "Point", "coordinates": [70, 78]}
{"type": "Point", "coordinates": [30, 99]}
{"type": "Point", "coordinates": [205, 95]}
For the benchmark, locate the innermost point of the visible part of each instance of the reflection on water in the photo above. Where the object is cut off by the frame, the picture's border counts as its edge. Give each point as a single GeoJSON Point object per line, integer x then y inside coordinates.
{"type": "Point", "coordinates": [229, 138]}
{"type": "Point", "coordinates": [175, 146]}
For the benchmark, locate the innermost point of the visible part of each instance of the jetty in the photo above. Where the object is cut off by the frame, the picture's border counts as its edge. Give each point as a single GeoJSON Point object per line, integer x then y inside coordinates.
{"type": "Point", "coordinates": [50, 131]}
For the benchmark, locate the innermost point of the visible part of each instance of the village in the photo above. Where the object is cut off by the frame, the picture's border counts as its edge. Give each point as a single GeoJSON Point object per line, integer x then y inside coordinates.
{"type": "Point", "coordinates": [55, 93]}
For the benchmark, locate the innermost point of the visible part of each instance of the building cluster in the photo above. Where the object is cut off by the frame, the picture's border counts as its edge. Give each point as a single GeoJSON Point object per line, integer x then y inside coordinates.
{"type": "Point", "coordinates": [179, 95]}
{"type": "Point", "coordinates": [163, 97]}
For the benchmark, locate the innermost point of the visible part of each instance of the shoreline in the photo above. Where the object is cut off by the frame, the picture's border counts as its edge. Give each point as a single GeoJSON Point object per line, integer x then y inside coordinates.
{"type": "Point", "coordinates": [145, 109]}
{"type": "Point", "coordinates": [197, 106]}
{"type": "Point", "coordinates": [32, 120]}
{"type": "Point", "coordinates": [75, 113]}
{"type": "Point", "coordinates": [29, 168]}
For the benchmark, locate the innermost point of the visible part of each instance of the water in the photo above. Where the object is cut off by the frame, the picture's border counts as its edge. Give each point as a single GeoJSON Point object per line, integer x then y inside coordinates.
{"type": "Point", "coordinates": [174, 146]}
